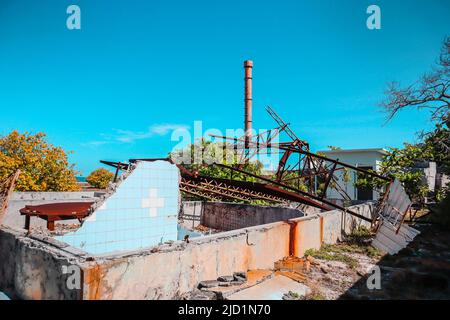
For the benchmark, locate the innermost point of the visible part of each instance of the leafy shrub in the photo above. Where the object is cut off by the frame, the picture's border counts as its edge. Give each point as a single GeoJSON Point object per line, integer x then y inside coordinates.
{"type": "Point", "coordinates": [100, 178]}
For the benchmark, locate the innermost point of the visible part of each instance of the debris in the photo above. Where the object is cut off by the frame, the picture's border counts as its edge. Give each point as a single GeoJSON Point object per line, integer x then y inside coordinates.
{"type": "Point", "coordinates": [240, 276]}
{"type": "Point", "coordinates": [392, 235]}
{"type": "Point", "coordinates": [290, 263]}
{"type": "Point", "coordinates": [323, 269]}
{"type": "Point", "coordinates": [208, 284]}
{"type": "Point", "coordinates": [200, 295]}
{"type": "Point", "coordinates": [291, 296]}
{"type": "Point", "coordinates": [311, 259]}
{"type": "Point", "coordinates": [225, 278]}
{"type": "Point", "coordinates": [391, 241]}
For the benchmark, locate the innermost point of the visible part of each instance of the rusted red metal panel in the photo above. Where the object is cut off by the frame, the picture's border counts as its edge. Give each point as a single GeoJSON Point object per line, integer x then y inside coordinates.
{"type": "Point", "coordinates": [58, 209]}
{"type": "Point", "coordinates": [52, 212]}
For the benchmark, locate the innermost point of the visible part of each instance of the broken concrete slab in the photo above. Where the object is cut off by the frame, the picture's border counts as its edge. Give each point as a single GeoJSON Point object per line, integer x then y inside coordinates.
{"type": "Point", "coordinates": [240, 276]}
{"type": "Point", "coordinates": [208, 284]}
{"type": "Point", "coordinates": [231, 283]}
{"type": "Point", "coordinates": [253, 277]}
{"type": "Point", "coordinates": [225, 278]}
{"type": "Point", "coordinates": [272, 289]}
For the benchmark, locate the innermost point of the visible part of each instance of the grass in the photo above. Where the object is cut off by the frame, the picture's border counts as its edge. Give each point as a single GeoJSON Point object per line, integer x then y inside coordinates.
{"type": "Point", "coordinates": [294, 295]}
{"type": "Point", "coordinates": [310, 296]}
{"type": "Point", "coordinates": [357, 242]}
{"type": "Point", "coordinates": [314, 296]}
{"type": "Point", "coordinates": [329, 253]}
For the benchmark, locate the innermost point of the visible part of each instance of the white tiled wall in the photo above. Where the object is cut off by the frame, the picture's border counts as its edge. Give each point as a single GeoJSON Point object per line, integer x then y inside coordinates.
{"type": "Point", "coordinates": [141, 213]}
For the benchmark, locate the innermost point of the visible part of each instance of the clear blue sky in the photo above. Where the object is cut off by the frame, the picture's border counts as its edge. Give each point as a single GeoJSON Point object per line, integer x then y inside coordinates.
{"type": "Point", "coordinates": [113, 89]}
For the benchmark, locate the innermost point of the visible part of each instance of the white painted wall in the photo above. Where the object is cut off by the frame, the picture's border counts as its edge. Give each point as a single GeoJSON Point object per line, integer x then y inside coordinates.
{"type": "Point", "coordinates": [357, 158]}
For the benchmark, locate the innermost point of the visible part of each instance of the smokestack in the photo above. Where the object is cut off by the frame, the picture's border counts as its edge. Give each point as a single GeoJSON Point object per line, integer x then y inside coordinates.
{"type": "Point", "coordinates": [248, 66]}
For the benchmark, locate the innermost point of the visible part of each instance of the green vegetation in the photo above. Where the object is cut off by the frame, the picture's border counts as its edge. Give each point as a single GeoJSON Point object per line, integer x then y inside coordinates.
{"type": "Point", "coordinates": [400, 164]}
{"type": "Point", "coordinates": [332, 253]}
{"type": "Point", "coordinates": [200, 156]}
{"type": "Point", "coordinates": [431, 92]}
{"type": "Point", "coordinates": [44, 167]}
{"type": "Point", "coordinates": [357, 242]}
{"type": "Point", "coordinates": [314, 296]}
{"type": "Point", "coordinates": [294, 295]}
{"type": "Point", "coordinates": [100, 178]}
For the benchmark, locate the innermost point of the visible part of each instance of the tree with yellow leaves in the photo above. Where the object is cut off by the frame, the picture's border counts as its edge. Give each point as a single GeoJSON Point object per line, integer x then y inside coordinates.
{"type": "Point", "coordinates": [44, 167]}
{"type": "Point", "coordinates": [100, 178]}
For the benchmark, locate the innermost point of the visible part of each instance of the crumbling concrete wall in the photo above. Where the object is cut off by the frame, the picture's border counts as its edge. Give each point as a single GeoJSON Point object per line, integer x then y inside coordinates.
{"type": "Point", "coordinates": [173, 270]}
{"type": "Point", "coordinates": [166, 271]}
{"type": "Point", "coordinates": [346, 222]}
{"type": "Point", "coordinates": [33, 269]}
{"type": "Point", "coordinates": [232, 216]}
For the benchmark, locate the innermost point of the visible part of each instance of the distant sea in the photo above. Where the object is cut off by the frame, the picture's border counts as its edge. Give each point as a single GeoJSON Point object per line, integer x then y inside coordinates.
{"type": "Point", "coordinates": [81, 179]}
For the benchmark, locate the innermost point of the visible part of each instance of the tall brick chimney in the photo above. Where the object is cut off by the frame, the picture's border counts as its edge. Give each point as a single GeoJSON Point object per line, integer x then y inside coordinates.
{"type": "Point", "coordinates": [248, 66]}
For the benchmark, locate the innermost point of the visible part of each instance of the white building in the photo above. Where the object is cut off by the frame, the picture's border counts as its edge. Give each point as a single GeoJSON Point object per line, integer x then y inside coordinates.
{"type": "Point", "coordinates": [362, 158]}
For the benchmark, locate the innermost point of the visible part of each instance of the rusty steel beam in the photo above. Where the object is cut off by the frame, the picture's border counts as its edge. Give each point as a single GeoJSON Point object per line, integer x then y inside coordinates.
{"type": "Point", "coordinates": [283, 146]}
{"type": "Point", "coordinates": [330, 176]}
{"type": "Point", "coordinates": [241, 188]}
{"type": "Point", "coordinates": [270, 189]}
{"type": "Point", "coordinates": [196, 193]}
{"type": "Point", "coordinates": [325, 206]}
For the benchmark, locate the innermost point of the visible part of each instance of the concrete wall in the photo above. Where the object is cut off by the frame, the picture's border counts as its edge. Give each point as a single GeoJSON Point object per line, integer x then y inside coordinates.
{"type": "Point", "coordinates": [19, 200]}
{"type": "Point", "coordinates": [232, 216]}
{"type": "Point", "coordinates": [167, 271]}
{"type": "Point", "coordinates": [32, 269]}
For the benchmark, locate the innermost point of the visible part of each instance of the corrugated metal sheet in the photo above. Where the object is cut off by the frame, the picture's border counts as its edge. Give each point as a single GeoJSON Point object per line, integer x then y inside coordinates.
{"type": "Point", "coordinates": [392, 235]}
{"type": "Point", "coordinates": [391, 241]}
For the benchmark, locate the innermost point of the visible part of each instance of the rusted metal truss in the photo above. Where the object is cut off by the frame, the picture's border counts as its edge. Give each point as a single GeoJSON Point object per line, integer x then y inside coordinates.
{"type": "Point", "coordinates": [217, 189]}
{"type": "Point", "coordinates": [308, 169]}
{"type": "Point", "coordinates": [283, 187]}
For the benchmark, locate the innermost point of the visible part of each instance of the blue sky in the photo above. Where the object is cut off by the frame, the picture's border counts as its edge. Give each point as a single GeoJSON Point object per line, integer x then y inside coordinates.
{"type": "Point", "coordinates": [138, 69]}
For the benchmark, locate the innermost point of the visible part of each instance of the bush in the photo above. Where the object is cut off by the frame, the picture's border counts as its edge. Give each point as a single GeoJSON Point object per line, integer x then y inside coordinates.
{"type": "Point", "coordinates": [100, 178]}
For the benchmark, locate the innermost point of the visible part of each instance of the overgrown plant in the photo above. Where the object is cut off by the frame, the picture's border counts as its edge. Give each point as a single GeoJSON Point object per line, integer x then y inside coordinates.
{"type": "Point", "coordinates": [100, 178]}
